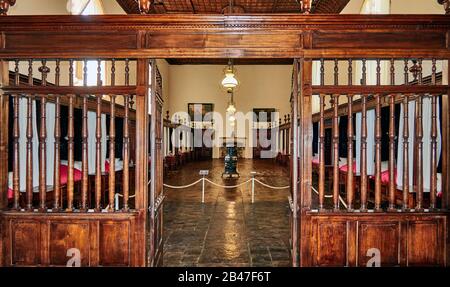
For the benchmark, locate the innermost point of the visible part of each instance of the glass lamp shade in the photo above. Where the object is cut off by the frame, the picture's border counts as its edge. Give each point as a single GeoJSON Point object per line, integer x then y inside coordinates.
{"type": "Point", "coordinates": [231, 109]}
{"type": "Point", "coordinates": [232, 124]}
{"type": "Point", "coordinates": [229, 82]}
{"type": "Point", "coordinates": [232, 119]}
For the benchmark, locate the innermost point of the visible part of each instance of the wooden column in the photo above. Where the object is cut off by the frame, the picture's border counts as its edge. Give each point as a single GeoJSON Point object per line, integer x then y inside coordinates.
{"type": "Point", "coordinates": [4, 123]}
{"type": "Point", "coordinates": [141, 172]}
{"type": "Point", "coordinates": [446, 140]}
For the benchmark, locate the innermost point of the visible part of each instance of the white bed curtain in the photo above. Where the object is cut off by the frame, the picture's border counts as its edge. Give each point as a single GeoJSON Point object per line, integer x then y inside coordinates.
{"type": "Point", "coordinates": [50, 144]}
{"type": "Point", "coordinates": [92, 124]}
{"type": "Point", "coordinates": [23, 112]}
{"type": "Point", "coordinates": [370, 122]}
{"type": "Point", "coordinates": [426, 161]}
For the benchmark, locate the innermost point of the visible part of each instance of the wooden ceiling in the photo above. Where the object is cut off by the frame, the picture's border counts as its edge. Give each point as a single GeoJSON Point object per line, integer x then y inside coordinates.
{"type": "Point", "coordinates": [239, 6]}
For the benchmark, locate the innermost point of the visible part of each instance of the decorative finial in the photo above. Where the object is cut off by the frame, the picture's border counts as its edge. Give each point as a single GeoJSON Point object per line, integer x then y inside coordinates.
{"type": "Point", "coordinates": [167, 115]}
{"type": "Point", "coordinates": [289, 118]}
{"type": "Point", "coordinates": [305, 6]}
{"type": "Point", "coordinates": [145, 6]}
{"type": "Point", "coordinates": [285, 118]}
{"type": "Point", "coordinates": [446, 4]}
{"type": "Point", "coordinates": [4, 6]}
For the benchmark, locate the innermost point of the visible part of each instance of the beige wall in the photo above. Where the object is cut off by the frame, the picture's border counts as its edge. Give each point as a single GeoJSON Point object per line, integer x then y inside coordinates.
{"type": "Point", "coordinates": [260, 87]}
{"type": "Point", "coordinates": [55, 7]}
{"type": "Point", "coordinates": [400, 7]}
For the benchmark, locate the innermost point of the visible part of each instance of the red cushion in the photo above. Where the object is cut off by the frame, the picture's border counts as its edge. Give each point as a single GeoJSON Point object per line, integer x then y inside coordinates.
{"type": "Point", "coordinates": [344, 168]}
{"type": "Point", "coordinates": [385, 176]}
{"type": "Point", "coordinates": [10, 193]}
{"type": "Point", "coordinates": [315, 161]}
{"type": "Point", "coordinates": [63, 170]}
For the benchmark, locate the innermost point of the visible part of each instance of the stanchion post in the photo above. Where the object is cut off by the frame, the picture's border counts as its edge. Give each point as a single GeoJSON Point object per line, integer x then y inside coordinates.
{"type": "Point", "coordinates": [253, 173]}
{"type": "Point", "coordinates": [203, 173]}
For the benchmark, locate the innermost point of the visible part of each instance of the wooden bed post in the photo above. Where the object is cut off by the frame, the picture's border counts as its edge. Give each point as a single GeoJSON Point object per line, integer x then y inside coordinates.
{"type": "Point", "coordinates": [4, 109]}
{"type": "Point", "coordinates": [142, 121]}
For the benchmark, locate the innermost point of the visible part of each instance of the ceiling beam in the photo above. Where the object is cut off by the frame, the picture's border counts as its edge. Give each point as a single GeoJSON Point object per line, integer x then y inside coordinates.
{"type": "Point", "coordinates": [129, 6]}
{"type": "Point", "coordinates": [328, 6]}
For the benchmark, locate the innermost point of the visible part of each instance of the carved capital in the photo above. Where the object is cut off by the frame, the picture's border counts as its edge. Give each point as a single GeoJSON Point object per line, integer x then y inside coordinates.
{"type": "Point", "coordinates": [145, 6]}
{"type": "Point", "coordinates": [446, 4]}
{"type": "Point", "coordinates": [4, 6]}
{"type": "Point", "coordinates": [305, 6]}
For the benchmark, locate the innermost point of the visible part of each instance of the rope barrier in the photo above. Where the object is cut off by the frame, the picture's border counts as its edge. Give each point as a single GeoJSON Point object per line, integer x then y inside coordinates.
{"type": "Point", "coordinates": [182, 186]}
{"type": "Point", "coordinates": [270, 186]}
{"type": "Point", "coordinates": [228, 186]}
{"type": "Point", "coordinates": [330, 196]}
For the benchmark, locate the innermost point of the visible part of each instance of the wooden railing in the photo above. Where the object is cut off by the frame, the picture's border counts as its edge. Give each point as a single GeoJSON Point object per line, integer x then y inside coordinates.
{"type": "Point", "coordinates": [96, 93]}
{"type": "Point", "coordinates": [380, 87]}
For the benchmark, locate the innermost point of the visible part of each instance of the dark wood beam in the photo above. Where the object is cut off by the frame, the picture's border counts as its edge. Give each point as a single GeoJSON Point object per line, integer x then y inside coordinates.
{"type": "Point", "coordinates": [129, 6]}
{"type": "Point", "coordinates": [328, 6]}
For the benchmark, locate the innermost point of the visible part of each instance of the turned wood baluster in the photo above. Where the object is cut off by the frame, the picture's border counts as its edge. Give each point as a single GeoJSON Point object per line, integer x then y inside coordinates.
{"type": "Point", "coordinates": [71, 75]}
{"type": "Point", "coordinates": [405, 152]}
{"type": "Point", "coordinates": [127, 72]}
{"type": "Point", "coordinates": [16, 167]}
{"type": "Point", "coordinates": [43, 156]}
{"type": "Point", "coordinates": [322, 72]}
{"type": "Point", "coordinates": [16, 137]}
{"type": "Point", "coordinates": [350, 183]}
{"type": "Point", "coordinates": [406, 72]}
{"type": "Point", "coordinates": [433, 72]}
{"type": "Point", "coordinates": [336, 72]}
{"type": "Point", "coordinates": [98, 155]}
{"type": "Point", "coordinates": [378, 153]}
{"type": "Point", "coordinates": [112, 156]}
{"type": "Point", "coordinates": [70, 145]}
{"type": "Point", "coordinates": [43, 142]}
{"type": "Point", "coordinates": [335, 152]}
{"type": "Point", "coordinates": [85, 156]}
{"type": "Point", "coordinates": [433, 164]}
{"type": "Point", "coordinates": [99, 72]}
{"type": "Point", "coordinates": [29, 135]}
{"type": "Point", "coordinates": [392, 185]}
{"type": "Point", "coordinates": [113, 72]}
{"type": "Point", "coordinates": [57, 147]}
{"type": "Point", "coordinates": [364, 73]}
{"type": "Point", "coordinates": [85, 72]}
{"type": "Point", "coordinates": [126, 155]}
{"type": "Point", "coordinates": [420, 80]}
{"type": "Point", "coordinates": [392, 72]}
{"type": "Point", "coordinates": [16, 73]}
{"type": "Point", "coordinates": [363, 167]}
{"type": "Point", "coordinates": [29, 165]}
{"type": "Point", "coordinates": [56, 175]}
{"type": "Point", "coordinates": [350, 72]}
{"type": "Point", "coordinates": [419, 150]}
{"type": "Point", "coordinates": [322, 154]}
{"type": "Point", "coordinates": [378, 72]}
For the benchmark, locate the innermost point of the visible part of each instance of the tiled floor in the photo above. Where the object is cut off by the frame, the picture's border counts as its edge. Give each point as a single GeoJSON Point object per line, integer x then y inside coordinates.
{"type": "Point", "coordinates": [228, 230]}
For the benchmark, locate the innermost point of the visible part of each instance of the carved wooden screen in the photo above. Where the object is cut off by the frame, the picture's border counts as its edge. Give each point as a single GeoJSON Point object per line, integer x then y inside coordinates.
{"type": "Point", "coordinates": [156, 196]}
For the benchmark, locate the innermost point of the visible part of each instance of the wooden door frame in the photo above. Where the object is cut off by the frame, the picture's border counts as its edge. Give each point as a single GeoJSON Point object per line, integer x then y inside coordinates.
{"type": "Point", "coordinates": [305, 37]}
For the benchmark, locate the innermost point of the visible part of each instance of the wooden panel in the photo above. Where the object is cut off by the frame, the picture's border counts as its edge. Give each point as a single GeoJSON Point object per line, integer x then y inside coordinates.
{"type": "Point", "coordinates": [383, 40]}
{"type": "Point", "coordinates": [385, 236]}
{"type": "Point", "coordinates": [115, 243]}
{"type": "Point", "coordinates": [425, 243]}
{"type": "Point", "coordinates": [221, 40]}
{"type": "Point", "coordinates": [25, 242]}
{"type": "Point", "coordinates": [72, 41]}
{"type": "Point", "coordinates": [64, 236]}
{"type": "Point", "coordinates": [331, 243]}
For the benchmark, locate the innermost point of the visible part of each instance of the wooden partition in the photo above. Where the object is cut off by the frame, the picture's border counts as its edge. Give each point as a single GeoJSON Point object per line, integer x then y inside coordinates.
{"type": "Point", "coordinates": [322, 235]}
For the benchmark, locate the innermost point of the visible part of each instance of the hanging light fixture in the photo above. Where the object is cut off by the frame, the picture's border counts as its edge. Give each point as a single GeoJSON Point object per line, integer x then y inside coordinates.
{"type": "Point", "coordinates": [230, 82]}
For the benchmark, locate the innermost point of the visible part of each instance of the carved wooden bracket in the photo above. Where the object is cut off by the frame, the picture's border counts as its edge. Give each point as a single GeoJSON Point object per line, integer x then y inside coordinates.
{"type": "Point", "coordinates": [145, 6]}
{"type": "Point", "coordinates": [446, 4]}
{"type": "Point", "coordinates": [4, 6]}
{"type": "Point", "coordinates": [306, 6]}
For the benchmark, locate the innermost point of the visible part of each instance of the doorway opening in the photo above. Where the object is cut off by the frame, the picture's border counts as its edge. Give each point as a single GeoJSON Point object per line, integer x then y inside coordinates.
{"type": "Point", "coordinates": [211, 219]}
